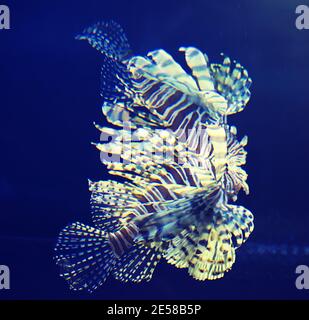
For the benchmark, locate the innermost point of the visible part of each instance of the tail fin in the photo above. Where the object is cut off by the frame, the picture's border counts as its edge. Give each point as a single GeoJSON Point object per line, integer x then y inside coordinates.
{"type": "Point", "coordinates": [87, 256]}
{"type": "Point", "coordinates": [84, 256]}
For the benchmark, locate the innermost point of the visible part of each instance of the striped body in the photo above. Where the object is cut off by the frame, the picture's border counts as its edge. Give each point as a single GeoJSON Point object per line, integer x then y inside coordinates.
{"type": "Point", "coordinates": [123, 239]}
{"type": "Point", "coordinates": [218, 139]}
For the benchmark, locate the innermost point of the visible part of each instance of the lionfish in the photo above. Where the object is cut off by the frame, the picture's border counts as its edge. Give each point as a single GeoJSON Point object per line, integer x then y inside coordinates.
{"type": "Point", "coordinates": [178, 163]}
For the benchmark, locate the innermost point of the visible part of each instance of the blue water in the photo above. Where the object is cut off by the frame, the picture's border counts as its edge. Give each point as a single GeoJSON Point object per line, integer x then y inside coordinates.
{"type": "Point", "coordinates": [49, 97]}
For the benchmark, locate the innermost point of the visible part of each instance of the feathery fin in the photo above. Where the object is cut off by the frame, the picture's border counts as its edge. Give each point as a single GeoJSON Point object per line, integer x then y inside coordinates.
{"type": "Point", "coordinates": [137, 264]}
{"type": "Point", "coordinates": [84, 256]}
{"type": "Point", "coordinates": [107, 37]}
